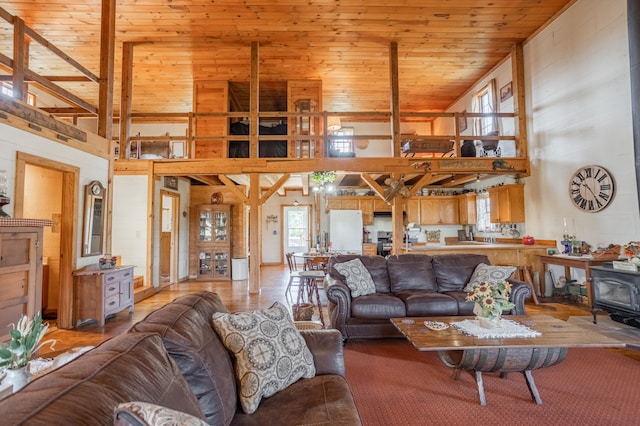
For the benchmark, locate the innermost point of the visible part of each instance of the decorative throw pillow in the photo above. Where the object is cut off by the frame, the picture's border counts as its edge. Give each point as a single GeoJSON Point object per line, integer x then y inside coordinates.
{"type": "Point", "coordinates": [146, 414]}
{"type": "Point", "coordinates": [484, 272]}
{"type": "Point", "coordinates": [270, 353]}
{"type": "Point", "coordinates": [357, 276]}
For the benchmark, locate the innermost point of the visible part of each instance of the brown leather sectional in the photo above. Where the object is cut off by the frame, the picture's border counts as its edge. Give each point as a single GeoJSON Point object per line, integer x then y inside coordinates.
{"type": "Point", "coordinates": [174, 358]}
{"type": "Point", "coordinates": [407, 285]}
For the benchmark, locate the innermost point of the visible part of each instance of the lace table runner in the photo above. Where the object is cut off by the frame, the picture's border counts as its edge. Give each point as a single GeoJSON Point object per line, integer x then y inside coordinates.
{"type": "Point", "coordinates": [507, 329]}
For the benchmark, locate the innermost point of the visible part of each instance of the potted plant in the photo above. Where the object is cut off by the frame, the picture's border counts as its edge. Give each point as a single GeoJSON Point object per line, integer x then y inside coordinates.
{"type": "Point", "coordinates": [24, 343]}
{"type": "Point", "coordinates": [491, 299]}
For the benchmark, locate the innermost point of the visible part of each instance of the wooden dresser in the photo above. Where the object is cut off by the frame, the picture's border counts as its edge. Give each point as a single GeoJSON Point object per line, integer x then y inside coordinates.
{"type": "Point", "coordinates": [98, 293]}
{"type": "Point", "coordinates": [20, 270]}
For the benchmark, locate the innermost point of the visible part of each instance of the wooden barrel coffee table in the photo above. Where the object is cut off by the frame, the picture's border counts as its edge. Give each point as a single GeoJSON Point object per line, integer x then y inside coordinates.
{"type": "Point", "coordinates": [503, 361]}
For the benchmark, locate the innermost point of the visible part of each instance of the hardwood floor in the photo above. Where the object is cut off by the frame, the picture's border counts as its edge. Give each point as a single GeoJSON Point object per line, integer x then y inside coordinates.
{"type": "Point", "coordinates": [235, 296]}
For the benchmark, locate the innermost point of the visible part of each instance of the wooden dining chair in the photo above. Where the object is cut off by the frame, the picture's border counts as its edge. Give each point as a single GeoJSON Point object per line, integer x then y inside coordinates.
{"type": "Point", "coordinates": [295, 280]}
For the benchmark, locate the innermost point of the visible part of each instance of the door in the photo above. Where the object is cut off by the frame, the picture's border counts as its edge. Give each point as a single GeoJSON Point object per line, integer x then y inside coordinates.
{"type": "Point", "coordinates": [296, 233]}
{"type": "Point", "coordinates": [169, 221]}
{"type": "Point", "coordinates": [49, 189]}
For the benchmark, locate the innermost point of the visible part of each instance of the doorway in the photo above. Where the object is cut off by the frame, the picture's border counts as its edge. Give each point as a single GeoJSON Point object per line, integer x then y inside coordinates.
{"type": "Point", "coordinates": [169, 232]}
{"type": "Point", "coordinates": [296, 225]}
{"type": "Point", "coordinates": [47, 189]}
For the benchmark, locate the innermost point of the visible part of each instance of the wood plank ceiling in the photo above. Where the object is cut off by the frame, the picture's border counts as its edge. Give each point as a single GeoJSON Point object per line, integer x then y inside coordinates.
{"type": "Point", "coordinates": [444, 45]}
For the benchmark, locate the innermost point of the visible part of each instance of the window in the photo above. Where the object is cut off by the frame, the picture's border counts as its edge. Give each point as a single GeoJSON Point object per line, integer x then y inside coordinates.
{"type": "Point", "coordinates": [485, 102]}
{"type": "Point", "coordinates": [483, 212]}
{"type": "Point", "coordinates": [7, 89]}
{"type": "Point", "coordinates": [297, 228]}
{"type": "Point", "coordinates": [342, 141]}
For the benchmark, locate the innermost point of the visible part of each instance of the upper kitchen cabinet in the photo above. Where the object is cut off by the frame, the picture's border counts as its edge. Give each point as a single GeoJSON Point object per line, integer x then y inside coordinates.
{"type": "Point", "coordinates": [507, 203]}
{"type": "Point", "coordinates": [440, 210]}
{"type": "Point", "coordinates": [467, 208]}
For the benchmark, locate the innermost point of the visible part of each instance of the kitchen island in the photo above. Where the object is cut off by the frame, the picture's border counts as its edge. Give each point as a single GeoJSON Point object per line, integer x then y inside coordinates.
{"type": "Point", "coordinates": [499, 254]}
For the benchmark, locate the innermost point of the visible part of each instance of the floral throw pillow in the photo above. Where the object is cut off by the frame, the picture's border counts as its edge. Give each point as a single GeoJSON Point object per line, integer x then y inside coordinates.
{"type": "Point", "coordinates": [146, 414]}
{"type": "Point", "coordinates": [270, 353]}
{"type": "Point", "coordinates": [357, 276]}
{"type": "Point", "coordinates": [484, 272]}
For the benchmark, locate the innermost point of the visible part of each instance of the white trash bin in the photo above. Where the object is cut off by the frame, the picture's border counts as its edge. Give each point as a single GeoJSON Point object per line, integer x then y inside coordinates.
{"type": "Point", "coordinates": [239, 268]}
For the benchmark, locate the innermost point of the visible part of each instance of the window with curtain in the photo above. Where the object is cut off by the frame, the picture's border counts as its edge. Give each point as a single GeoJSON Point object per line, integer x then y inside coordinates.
{"type": "Point", "coordinates": [485, 102]}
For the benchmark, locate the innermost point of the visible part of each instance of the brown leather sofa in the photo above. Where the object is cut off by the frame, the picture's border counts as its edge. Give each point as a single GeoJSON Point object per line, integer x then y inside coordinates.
{"type": "Point", "coordinates": [407, 285]}
{"type": "Point", "coordinates": [174, 358]}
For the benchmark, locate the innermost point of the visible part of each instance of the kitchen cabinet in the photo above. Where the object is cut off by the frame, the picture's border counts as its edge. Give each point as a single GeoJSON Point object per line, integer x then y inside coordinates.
{"type": "Point", "coordinates": [439, 210]}
{"type": "Point", "coordinates": [369, 249]}
{"type": "Point", "coordinates": [367, 211]}
{"type": "Point", "coordinates": [98, 293]}
{"type": "Point", "coordinates": [213, 242]}
{"type": "Point", "coordinates": [413, 210]}
{"type": "Point", "coordinates": [364, 203]}
{"type": "Point", "coordinates": [467, 208]}
{"type": "Point", "coordinates": [380, 206]}
{"type": "Point", "coordinates": [507, 203]}
{"type": "Point", "coordinates": [20, 274]}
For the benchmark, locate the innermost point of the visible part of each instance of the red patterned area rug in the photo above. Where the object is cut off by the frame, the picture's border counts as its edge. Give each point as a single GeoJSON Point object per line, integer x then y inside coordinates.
{"type": "Point", "coordinates": [395, 384]}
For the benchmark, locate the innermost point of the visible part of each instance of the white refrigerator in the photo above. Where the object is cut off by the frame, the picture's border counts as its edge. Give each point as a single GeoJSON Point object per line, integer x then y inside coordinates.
{"type": "Point", "coordinates": [345, 231]}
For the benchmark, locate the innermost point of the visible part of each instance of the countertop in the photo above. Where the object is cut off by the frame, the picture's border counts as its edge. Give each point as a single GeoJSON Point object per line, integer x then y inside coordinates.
{"type": "Point", "coordinates": [475, 246]}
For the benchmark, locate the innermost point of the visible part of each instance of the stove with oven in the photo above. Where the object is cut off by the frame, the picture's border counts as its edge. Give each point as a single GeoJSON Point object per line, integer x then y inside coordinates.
{"type": "Point", "coordinates": [385, 243]}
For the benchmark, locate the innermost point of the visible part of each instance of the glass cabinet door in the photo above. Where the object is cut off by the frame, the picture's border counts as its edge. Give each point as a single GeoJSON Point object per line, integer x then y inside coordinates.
{"type": "Point", "coordinates": [204, 263]}
{"type": "Point", "coordinates": [221, 263]}
{"type": "Point", "coordinates": [205, 226]}
{"type": "Point", "coordinates": [220, 226]}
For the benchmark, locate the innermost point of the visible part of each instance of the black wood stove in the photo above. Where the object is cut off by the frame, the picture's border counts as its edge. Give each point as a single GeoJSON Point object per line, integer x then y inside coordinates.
{"type": "Point", "coordinates": [617, 292]}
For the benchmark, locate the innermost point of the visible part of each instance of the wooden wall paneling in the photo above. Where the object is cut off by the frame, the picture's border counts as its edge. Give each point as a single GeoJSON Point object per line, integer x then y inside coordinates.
{"type": "Point", "coordinates": [211, 96]}
{"type": "Point", "coordinates": [151, 184]}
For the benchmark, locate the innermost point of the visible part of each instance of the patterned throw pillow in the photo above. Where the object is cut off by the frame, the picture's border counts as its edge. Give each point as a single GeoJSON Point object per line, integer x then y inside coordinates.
{"type": "Point", "coordinates": [484, 272]}
{"type": "Point", "coordinates": [270, 353]}
{"type": "Point", "coordinates": [357, 276]}
{"type": "Point", "coordinates": [146, 414]}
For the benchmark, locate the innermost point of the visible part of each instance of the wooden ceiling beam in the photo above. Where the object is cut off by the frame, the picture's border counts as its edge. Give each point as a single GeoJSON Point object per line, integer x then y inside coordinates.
{"type": "Point", "coordinates": [233, 187]}
{"type": "Point", "coordinates": [276, 186]}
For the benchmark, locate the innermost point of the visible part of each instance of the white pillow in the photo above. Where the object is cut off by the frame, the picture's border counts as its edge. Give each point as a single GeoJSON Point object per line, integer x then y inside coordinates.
{"type": "Point", "coordinates": [357, 276]}
{"type": "Point", "coordinates": [484, 272]}
{"type": "Point", "coordinates": [270, 353]}
{"type": "Point", "coordinates": [138, 413]}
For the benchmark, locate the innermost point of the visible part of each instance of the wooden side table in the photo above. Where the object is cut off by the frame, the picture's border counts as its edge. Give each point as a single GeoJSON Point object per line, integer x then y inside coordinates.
{"type": "Point", "coordinates": [578, 262]}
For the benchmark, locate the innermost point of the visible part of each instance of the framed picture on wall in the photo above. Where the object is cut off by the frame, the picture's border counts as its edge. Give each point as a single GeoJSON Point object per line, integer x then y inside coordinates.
{"type": "Point", "coordinates": [462, 121]}
{"type": "Point", "coordinates": [171, 182]}
{"type": "Point", "coordinates": [506, 92]}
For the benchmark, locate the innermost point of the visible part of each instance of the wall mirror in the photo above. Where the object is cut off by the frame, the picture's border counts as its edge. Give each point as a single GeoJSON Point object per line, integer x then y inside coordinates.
{"type": "Point", "coordinates": [93, 230]}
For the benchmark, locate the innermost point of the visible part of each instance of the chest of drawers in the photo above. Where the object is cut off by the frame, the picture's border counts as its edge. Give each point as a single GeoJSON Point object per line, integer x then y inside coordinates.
{"type": "Point", "coordinates": [99, 293]}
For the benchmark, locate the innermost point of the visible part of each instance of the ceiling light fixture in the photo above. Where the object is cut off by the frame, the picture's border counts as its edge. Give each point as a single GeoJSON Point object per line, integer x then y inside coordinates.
{"type": "Point", "coordinates": [296, 203]}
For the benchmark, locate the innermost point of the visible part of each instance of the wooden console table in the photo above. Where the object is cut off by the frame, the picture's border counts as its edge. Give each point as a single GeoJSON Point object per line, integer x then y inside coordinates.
{"type": "Point", "coordinates": [578, 262]}
{"type": "Point", "coordinates": [98, 293]}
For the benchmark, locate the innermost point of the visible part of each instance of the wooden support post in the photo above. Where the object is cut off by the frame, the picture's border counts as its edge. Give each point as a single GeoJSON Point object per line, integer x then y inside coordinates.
{"type": "Point", "coordinates": [395, 98]}
{"type": "Point", "coordinates": [126, 91]}
{"type": "Point", "coordinates": [107, 56]}
{"type": "Point", "coordinates": [254, 233]}
{"type": "Point", "coordinates": [19, 59]}
{"type": "Point", "coordinates": [254, 100]}
{"type": "Point", "coordinates": [519, 105]}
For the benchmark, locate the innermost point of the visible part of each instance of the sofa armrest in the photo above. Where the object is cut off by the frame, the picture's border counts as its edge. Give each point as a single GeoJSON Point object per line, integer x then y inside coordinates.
{"type": "Point", "coordinates": [339, 297]}
{"type": "Point", "coordinates": [520, 291]}
{"type": "Point", "coordinates": [326, 348]}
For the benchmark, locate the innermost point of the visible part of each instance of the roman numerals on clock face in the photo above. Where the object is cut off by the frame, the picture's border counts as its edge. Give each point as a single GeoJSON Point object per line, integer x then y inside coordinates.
{"type": "Point", "coordinates": [591, 188]}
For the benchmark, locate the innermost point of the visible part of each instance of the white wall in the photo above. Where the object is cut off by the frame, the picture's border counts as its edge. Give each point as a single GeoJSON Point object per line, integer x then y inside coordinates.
{"type": "Point", "coordinates": [91, 167]}
{"type": "Point", "coordinates": [579, 113]}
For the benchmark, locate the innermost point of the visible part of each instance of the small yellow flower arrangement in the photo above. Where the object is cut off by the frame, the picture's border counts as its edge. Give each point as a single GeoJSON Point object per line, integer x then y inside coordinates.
{"type": "Point", "coordinates": [491, 298]}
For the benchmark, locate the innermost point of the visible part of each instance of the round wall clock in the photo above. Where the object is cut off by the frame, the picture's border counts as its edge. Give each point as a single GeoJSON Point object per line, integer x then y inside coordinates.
{"type": "Point", "coordinates": [591, 188]}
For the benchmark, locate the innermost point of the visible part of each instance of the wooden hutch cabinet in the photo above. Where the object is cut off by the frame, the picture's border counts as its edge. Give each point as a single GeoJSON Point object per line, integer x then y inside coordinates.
{"type": "Point", "coordinates": [213, 242]}
{"type": "Point", "coordinates": [20, 272]}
